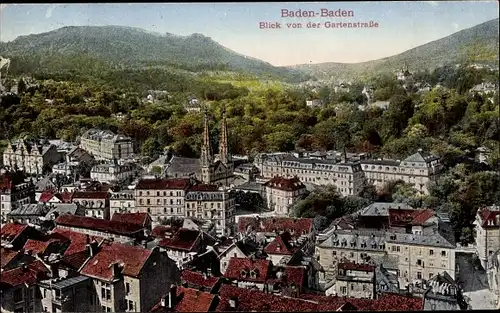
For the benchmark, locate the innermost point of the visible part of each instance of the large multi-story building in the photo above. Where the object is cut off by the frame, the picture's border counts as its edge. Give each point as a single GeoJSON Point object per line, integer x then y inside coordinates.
{"type": "Point", "coordinates": [128, 278]}
{"type": "Point", "coordinates": [31, 156]}
{"type": "Point", "coordinates": [14, 192]}
{"type": "Point", "coordinates": [282, 193]}
{"type": "Point", "coordinates": [214, 204]}
{"type": "Point", "coordinates": [418, 169]}
{"type": "Point", "coordinates": [414, 244]}
{"type": "Point", "coordinates": [122, 201]}
{"type": "Point", "coordinates": [162, 198]}
{"type": "Point", "coordinates": [112, 172]}
{"type": "Point", "coordinates": [105, 145]}
{"type": "Point", "coordinates": [356, 281]}
{"type": "Point", "coordinates": [95, 203]}
{"type": "Point", "coordinates": [348, 177]}
{"type": "Point", "coordinates": [487, 233]}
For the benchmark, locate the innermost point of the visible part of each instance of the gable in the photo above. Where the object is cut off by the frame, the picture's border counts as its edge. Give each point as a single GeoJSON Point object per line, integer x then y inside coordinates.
{"type": "Point", "coordinates": [231, 251]}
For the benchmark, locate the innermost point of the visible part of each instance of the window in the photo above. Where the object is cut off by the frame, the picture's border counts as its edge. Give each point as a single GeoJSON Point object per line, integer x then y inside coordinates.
{"type": "Point", "coordinates": [352, 287]}
{"type": "Point", "coordinates": [443, 253]}
{"type": "Point", "coordinates": [18, 295]}
{"type": "Point", "coordinates": [431, 252]}
{"type": "Point", "coordinates": [343, 290]}
{"type": "Point", "coordinates": [430, 275]}
{"type": "Point", "coordinates": [419, 262]}
{"type": "Point", "coordinates": [127, 287]}
{"type": "Point", "coordinates": [130, 305]}
{"type": "Point", "coordinates": [419, 275]}
{"type": "Point", "coordinates": [364, 287]}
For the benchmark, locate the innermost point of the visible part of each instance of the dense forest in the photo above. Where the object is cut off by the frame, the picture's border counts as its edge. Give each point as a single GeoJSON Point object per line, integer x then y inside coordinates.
{"type": "Point", "coordinates": [448, 121]}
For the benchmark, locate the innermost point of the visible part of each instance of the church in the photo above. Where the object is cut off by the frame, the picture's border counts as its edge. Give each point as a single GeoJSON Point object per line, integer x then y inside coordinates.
{"type": "Point", "coordinates": [209, 168]}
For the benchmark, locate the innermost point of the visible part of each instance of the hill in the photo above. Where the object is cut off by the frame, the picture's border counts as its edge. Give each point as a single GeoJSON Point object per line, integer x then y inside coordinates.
{"type": "Point", "coordinates": [477, 44]}
{"type": "Point", "coordinates": [128, 47]}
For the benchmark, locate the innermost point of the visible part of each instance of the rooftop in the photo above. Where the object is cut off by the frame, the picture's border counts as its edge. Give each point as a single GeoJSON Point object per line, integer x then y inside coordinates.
{"type": "Point", "coordinates": [296, 226]}
{"type": "Point", "coordinates": [199, 279]}
{"type": "Point", "coordinates": [184, 239]}
{"type": "Point", "coordinates": [248, 269]}
{"type": "Point", "coordinates": [140, 219]}
{"type": "Point", "coordinates": [163, 184]}
{"type": "Point", "coordinates": [27, 274]}
{"type": "Point", "coordinates": [130, 260]}
{"type": "Point", "coordinates": [285, 184]}
{"type": "Point", "coordinates": [113, 227]}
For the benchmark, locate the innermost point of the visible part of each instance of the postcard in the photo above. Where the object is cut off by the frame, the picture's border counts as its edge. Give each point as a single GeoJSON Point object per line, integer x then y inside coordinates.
{"type": "Point", "coordinates": [278, 156]}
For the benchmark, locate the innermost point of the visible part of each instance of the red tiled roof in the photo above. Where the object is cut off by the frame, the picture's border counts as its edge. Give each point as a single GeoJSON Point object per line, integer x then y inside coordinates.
{"type": "Point", "coordinates": [285, 184]}
{"type": "Point", "coordinates": [75, 260]}
{"type": "Point", "coordinates": [256, 301]}
{"type": "Point", "coordinates": [12, 230]}
{"type": "Point", "coordinates": [98, 224]}
{"type": "Point", "coordinates": [188, 300]}
{"type": "Point", "coordinates": [396, 302]}
{"type": "Point", "coordinates": [162, 184]}
{"type": "Point", "coordinates": [132, 218]}
{"type": "Point", "coordinates": [403, 217]}
{"type": "Point", "coordinates": [280, 245]}
{"type": "Point", "coordinates": [295, 275]}
{"type": "Point", "coordinates": [356, 267]}
{"type": "Point", "coordinates": [39, 246]}
{"type": "Point", "coordinates": [297, 227]}
{"type": "Point", "coordinates": [241, 269]}
{"type": "Point", "coordinates": [198, 280]}
{"type": "Point", "coordinates": [78, 241]}
{"type": "Point", "coordinates": [47, 195]}
{"type": "Point", "coordinates": [32, 273]}
{"type": "Point", "coordinates": [131, 257]}
{"type": "Point", "coordinates": [161, 231]}
{"type": "Point", "coordinates": [488, 217]}
{"type": "Point", "coordinates": [204, 187]}
{"type": "Point", "coordinates": [7, 255]}
{"type": "Point", "coordinates": [90, 195]}
{"type": "Point", "coordinates": [184, 239]}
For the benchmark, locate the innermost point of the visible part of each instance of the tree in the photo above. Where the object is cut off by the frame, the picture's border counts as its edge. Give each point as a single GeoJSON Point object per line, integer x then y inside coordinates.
{"type": "Point", "coordinates": [151, 148]}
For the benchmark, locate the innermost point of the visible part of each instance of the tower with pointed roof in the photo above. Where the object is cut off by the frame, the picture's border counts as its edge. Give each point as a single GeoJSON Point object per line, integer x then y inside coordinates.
{"type": "Point", "coordinates": [206, 158]}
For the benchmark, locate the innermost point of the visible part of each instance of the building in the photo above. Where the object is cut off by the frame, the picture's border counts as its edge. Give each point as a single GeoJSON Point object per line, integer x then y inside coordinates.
{"type": "Point", "coordinates": [29, 213]}
{"type": "Point", "coordinates": [119, 231]}
{"type": "Point", "coordinates": [95, 203]}
{"type": "Point", "coordinates": [494, 277]}
{"type": "Point", "coordinates": [33, 157]}
{"type": "Point", "coordinates": [19, 287]}
{"type": "Point", "coordinates": [282, 193]}
{"type": "Point", "coordinates": [356, 281]}
{"type": "Point", "coordinates": [487, 233]}
{"type": "Point", "coordinates": [105, 145]}
{"type": "Point", "coordinates": [67, 294]}
{"type": "Point", "coordinates": [128, 278]}
{"type": "Point", "coordinates": [14, 192]}
{"type": "Point", "coordinates": [314, 103]}
{"type": "Point", "coordinates": [213, 205]}
{"type": "Point", "coordinates": [112, 172]}
{"type": "Point", "coordinates": [121, 202]}
{"type": "Point", "coordinates": [162, 198]}
{"type": "Point", "coordinates": [248, 273]}
{"type": "Point", "coordinates": [443, 294]}
{"type": "Point", "coordinates": [418, 169]}
{"type": "Point", "coordinates": [141, 219]}
{"type": "Point", "coordinates": [348, 177]}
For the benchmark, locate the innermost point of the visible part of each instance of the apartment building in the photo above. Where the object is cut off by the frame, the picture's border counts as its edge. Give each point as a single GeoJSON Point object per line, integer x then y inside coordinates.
{"type": "Point", "coordinates": [356, 281]}
{"type": "Point", "coordinates": [122, 201]}
{"type": "Point", "coordinates": [31, 156]}
{"type": "Point", "coordinates": [282, 193]}
{"type": "Point", "coordinates": [162, 198]}
{"type": "Point", "coordinates": [105, 145]}
{"type": "Point", "coordinates": [418, 169]}
{"type": "Point", "coordinates": [348, 177]}
{"type": "Point", "coordinates": [129, 278]}
{"type": "Point", "coordinates": [487, 233]}
{"type": "Point", "coordinates": [14, 192]}
{"type": "Point", "coordinates": [95, 203]}
{"type": "Point", "coordinates": [19, 289]}
{"type": "Point", "coordinates": [212, 204]}
{"type": "Point", "coordinates": [67, 294]}
{"type": "Point", "coordinates": [112, 172]}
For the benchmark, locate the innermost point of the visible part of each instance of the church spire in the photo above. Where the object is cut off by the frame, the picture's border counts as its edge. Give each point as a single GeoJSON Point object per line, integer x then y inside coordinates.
{"type": "Point", "coordinates": [206, 150]}
{"type": "Point", "coordinates": [223, 148]}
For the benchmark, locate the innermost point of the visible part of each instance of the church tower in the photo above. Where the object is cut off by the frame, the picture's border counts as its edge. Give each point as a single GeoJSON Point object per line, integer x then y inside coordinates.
{"type": "Point", "coordinates": [223, 146]}
{"type": "Point", "coordinates": [206, 158]}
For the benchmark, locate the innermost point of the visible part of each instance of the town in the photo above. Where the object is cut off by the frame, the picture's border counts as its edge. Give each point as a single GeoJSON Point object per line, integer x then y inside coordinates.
{"type": "Point", "coordinates": [133, 188]}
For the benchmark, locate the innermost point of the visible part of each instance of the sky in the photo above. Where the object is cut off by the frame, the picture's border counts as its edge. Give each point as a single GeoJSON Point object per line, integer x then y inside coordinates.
{"type": "Point", "coordinates": [402, 25]}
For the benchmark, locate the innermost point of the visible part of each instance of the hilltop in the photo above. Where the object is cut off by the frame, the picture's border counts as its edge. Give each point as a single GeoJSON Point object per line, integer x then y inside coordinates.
{"type": "Point", "coordinates": [477, 44]}
{"type": "Point", "coordinates": [131, 48]}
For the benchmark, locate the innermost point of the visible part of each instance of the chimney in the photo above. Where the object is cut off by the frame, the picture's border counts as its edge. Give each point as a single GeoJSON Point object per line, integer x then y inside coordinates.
{"type": "Point", "coordinates": [172, 296]}
{"type": "Point", "coordinates": [117, 269]}
{"type": "Point", "coordinates": [87, 239]}
{"type": "Point", "coordinates": [92, 248]}
{"type": "Point", "coordinates": [233, 302]}
{"type": "Point", "coordinates": [24, 267]}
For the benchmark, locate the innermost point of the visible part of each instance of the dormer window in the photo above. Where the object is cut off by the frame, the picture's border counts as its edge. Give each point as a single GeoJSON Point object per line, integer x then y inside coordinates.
{"type": "Point", "coordinates": [243, 273]}
{"type": "Point", "coordinates": [278, 248]}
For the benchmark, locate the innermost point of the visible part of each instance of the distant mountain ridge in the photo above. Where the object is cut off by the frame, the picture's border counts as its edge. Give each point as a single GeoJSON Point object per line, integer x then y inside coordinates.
{"type": "Point", "coordinates": [483, 38]}
{"type": "Point", "coordinates": [133, 47]}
